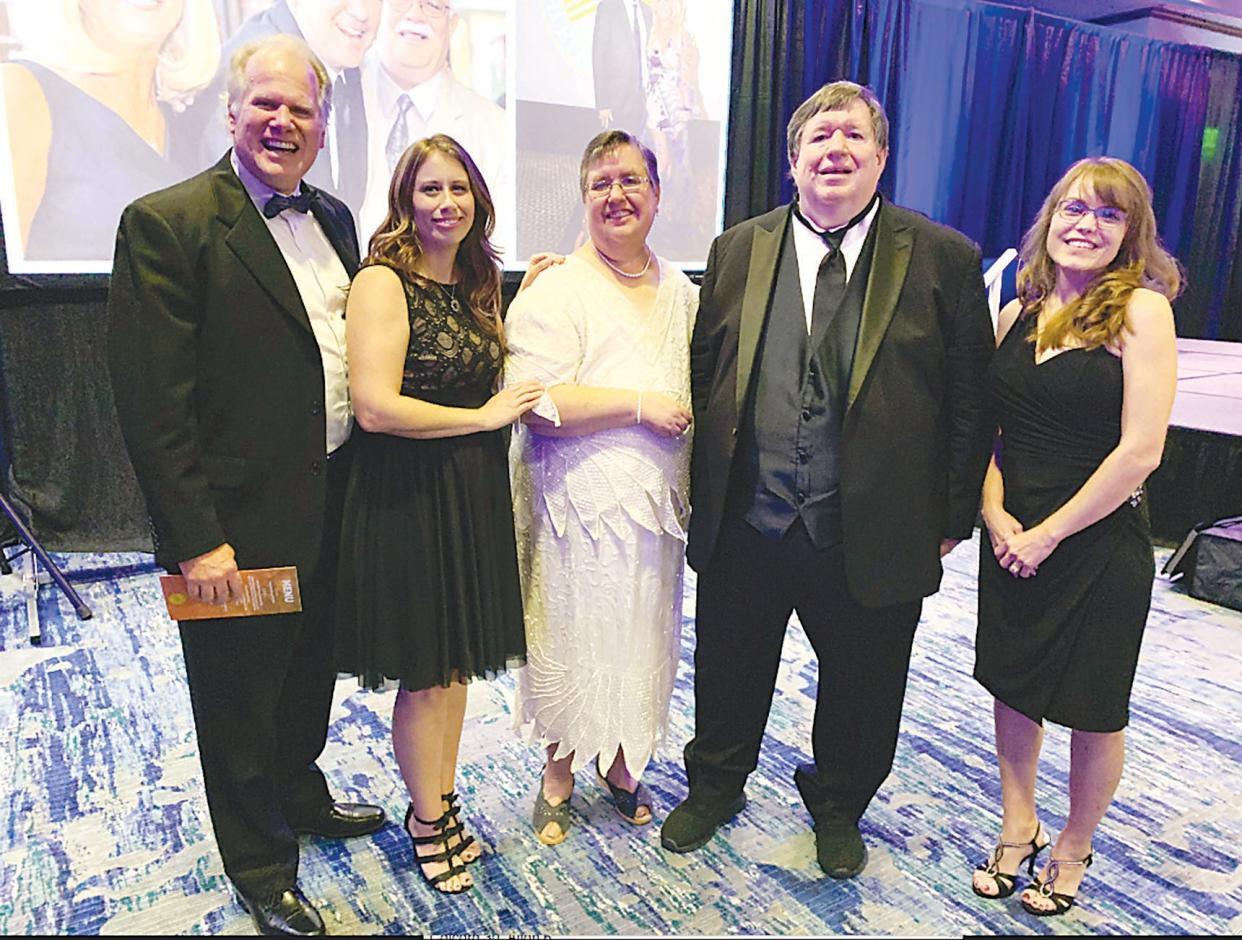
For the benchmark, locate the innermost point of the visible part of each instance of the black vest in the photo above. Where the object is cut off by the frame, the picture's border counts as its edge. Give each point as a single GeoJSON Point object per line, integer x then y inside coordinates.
{"type": "Point", "coordinates": [789, 441]}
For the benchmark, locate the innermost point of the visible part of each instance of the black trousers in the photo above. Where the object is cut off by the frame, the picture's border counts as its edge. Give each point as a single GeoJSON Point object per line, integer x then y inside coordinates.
{"type": "Point", "coordinates": [745, 598]}
{"type": "Point", "coordinates": [261, 691]}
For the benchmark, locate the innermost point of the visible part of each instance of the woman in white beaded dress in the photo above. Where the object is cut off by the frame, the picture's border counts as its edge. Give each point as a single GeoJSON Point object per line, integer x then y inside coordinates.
{"type": "Point", "coordinates": [600, 480]}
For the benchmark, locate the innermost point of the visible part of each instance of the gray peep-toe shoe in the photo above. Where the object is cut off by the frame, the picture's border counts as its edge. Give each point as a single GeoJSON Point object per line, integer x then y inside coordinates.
{"type": "Point", "coordinates": [545, 813]}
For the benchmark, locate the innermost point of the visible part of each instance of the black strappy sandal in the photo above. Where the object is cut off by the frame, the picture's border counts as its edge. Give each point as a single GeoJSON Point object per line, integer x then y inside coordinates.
{"type": "Point", "coordinates": [455, 828]}
{"type": "Point", "coordinates": [1061, 902]}
{"type": "Point", "coordinates": [446, 855]}
{"type": "Point", "coordinates": [625, 802]}
{"type": "Point", "coordinates": [1005, 882]}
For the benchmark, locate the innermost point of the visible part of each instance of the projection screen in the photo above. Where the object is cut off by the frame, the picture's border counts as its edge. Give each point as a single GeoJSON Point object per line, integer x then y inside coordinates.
{"type": "Point", "coordinates": [105, 100]}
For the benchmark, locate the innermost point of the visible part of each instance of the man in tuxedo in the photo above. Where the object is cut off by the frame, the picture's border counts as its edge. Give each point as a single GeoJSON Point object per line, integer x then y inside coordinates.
{"type": "Point", "coordinates": [619, 64]}
{"type": "Point", "coordinates": [840, 443]}
{"type": "Point", "coordinates": [227, 352]}
{"type": "Point", "coordinates": [339, 32]}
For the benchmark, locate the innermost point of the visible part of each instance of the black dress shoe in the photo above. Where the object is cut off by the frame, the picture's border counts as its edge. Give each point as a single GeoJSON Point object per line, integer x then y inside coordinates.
{"type": "Point", "coordinates": [340, 821]}
{"type": "Point", "coordinates": [286, 914]}
{"type": "Point", "coordinates": [692, 823]}
{"type": "Point", "coordinates": [840, 850]}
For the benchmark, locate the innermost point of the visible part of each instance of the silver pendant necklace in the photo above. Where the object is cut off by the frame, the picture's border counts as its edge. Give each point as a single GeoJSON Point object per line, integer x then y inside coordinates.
{"type": "Point", "coordinates": [451, 290]}
{"type": "Point", "coordinates": [604, 258]}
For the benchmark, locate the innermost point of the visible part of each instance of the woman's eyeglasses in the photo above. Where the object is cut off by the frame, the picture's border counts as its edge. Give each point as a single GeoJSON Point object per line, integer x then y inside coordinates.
{"type": "Point", "coordinates": [1072, 210]}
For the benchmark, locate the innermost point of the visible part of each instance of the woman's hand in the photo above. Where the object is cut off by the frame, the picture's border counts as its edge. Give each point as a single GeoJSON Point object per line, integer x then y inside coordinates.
{"type": "Point", "coordinates": [1001, 526]}
{"type": "Point", "coordinates": [509, 404]}
{"type": "Point", "coordinates": [1022, 553]}
{"type": "Point", "coordinates": [539, 263]}
{"type": "Point", "coordinates": [1002, 529]}
{"type": "Point", "coordinates": [664, 415]}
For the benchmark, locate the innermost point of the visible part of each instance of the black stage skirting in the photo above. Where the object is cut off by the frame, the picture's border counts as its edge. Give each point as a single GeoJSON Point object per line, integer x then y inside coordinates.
{"type": "Point", "coordinates": [1200, 478]}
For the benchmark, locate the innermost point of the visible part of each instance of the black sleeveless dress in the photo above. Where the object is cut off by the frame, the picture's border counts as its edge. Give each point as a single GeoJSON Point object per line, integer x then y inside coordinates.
{"type": "Point", "coordinates": [1064, 644]}
{"type": "Point", "coordinates": [429, 589]}
{"type": "Point", "coordinates": [96, 166]}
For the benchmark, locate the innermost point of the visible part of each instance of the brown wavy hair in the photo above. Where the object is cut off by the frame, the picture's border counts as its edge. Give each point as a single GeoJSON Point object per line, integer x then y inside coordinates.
{"type": "Point", "coordinates": [395, 242]}
{"type": "Point", "coordinates": [1097, 316]}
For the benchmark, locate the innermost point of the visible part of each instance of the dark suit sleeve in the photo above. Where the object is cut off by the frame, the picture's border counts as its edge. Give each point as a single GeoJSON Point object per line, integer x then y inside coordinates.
{"type": "Point", "coordinates": [704, 346]}
{"type": "Point", "coordinates": [154, 318]}
{"type": "Point", "coordinates": [968, 345]}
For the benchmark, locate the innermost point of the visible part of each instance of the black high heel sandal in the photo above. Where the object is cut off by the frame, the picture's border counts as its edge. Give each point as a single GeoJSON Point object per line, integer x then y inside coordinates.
{"type": "Point", "coordinates": [455, 828]}
{"type": "Point", "coordinates": [1060, 902]}
{"type": "Point", "coordinates": [1006, 883]}
{"type": "Point", "coordinates": [446, 854]}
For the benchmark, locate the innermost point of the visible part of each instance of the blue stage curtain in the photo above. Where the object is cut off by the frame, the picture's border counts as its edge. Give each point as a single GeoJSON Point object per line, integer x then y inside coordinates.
{"type": "Point", "coordinates": [989, 104]}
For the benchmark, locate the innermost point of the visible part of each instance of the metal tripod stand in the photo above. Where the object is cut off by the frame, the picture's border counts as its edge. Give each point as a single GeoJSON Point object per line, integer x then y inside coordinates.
{"type": "Point", "coordinates": [33, 546]}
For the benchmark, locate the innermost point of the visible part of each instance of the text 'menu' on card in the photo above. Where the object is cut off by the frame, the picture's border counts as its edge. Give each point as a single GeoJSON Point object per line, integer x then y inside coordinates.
{"type": "Point", "coordinates": [264, 591]}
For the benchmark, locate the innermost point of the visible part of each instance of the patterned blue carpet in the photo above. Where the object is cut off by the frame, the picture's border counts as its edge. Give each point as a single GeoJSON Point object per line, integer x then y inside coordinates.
{"type": "Point", "coordinates": [104, 828]}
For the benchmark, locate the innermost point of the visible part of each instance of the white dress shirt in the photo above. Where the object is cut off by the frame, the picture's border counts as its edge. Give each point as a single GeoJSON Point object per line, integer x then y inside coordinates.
{"type": "Point", "coordinates": [322, 283]}
{"type": "Point", "coordinates": [811, 249]}
{"type": "Point", "coordinates": [637, 21]}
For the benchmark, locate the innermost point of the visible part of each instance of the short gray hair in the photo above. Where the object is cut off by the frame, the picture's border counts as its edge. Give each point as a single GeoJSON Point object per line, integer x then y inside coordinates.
{"type": "Point", "coordinates": [836, 96]}
{"type": "Point", "coordinates": [279, 42]}
{"type": "Point", "coordinates": [606, 142]}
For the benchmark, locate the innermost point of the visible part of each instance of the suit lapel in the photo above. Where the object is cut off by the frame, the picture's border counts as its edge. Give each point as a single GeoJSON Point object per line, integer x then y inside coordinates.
{"type": "Point", "coordinates": [765, 248]}
{"type": "Point", "coordinates": [893, 244]}
{"type": "Point", "coordinates": [249, 239]}
{"type": "Point", "coordinates": [341, 244]}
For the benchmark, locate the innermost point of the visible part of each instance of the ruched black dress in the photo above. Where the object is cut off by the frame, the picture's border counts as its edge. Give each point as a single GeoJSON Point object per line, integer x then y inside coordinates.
{"type": "Point", "coordinates": [1064, 644]}
{"type": "Point", "coordinates": [429, 589]}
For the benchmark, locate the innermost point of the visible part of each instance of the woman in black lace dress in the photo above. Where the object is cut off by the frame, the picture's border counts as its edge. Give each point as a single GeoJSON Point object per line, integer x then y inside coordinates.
{"type": "Point", "coordinates": [429, 591]}
{"type": "Point", "coordinates": [1082, 385]}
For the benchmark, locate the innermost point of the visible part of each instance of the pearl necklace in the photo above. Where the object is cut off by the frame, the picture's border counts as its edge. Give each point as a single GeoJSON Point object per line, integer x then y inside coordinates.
{"type": "Point", "coordinates": [604, 258]}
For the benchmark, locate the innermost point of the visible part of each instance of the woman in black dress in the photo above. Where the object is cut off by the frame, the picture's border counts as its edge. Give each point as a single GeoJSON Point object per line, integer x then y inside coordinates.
{"type": "Point", "coordinates": [429, 591]}
{"type": "Point", "coordinates": [1082, 385]}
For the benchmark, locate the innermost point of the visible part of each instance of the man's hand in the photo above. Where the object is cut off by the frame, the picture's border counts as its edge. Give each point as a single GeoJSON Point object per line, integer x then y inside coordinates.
{"type": "Point", "coordinates": [605, 116]}
{"type": "Point", "coordinates": [212, 576]}
{"type": "Point", "coordinates": [947, 545]}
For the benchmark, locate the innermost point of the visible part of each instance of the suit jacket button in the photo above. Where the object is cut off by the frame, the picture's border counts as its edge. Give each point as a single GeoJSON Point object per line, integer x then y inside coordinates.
{"type": "Point", "coordinates": [733, 432]}
{"type": "Point", "coordinates": [316, 467]}
{"type": "Point", "coordinates": [316, 409]}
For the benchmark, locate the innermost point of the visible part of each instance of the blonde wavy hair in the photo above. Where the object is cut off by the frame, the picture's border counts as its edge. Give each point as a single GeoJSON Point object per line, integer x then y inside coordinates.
{"type": "Point", "coordinates": [396, 241]}
{"type": "Point", "coordinates": [1097, 317]}
{"type": "Point", "coordinates": [51, 32]}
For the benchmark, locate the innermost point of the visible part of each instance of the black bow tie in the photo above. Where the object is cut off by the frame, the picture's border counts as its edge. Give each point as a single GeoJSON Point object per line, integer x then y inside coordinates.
{"type": "Point", "coordinates": [299, 203]}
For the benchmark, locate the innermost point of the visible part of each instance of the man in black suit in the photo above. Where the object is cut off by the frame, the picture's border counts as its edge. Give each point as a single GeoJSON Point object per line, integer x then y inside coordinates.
{"type": "Point", "coordinates": [226, 348]}
{"type": "Point", "coordinates": [840, 443]}
{"type": "Point", "coordinates": [339, 32]}
{"type": "Point", "coordinates": [618, 55]}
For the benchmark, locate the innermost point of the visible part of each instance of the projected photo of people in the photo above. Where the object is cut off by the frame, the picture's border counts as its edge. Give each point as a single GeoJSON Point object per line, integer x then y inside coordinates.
{"type": "Point", "coordinates": [106, 100]}
{"type": "Point", "coordinates": [634, 65]}
{"type": "Point", "coordinates": [437, 67]}
{"type": "Point", "coordinates": [339, 32]}
{"type": "Point", "coordinates": [91, 90]}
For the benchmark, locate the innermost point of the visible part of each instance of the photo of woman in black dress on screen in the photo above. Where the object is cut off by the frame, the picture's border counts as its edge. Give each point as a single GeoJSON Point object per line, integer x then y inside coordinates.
{"type": "Point", "coordinates": [88, 100]}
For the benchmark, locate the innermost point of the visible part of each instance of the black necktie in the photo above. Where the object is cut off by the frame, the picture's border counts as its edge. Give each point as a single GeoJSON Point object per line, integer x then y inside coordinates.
{"type": "Point", "coordinates": [299, 203]}
{"type": "Point", "coordinates": [349, 125]}
{"type": "Point", "coordinates": [829, 282]}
